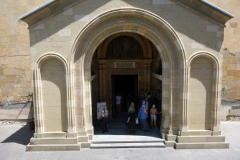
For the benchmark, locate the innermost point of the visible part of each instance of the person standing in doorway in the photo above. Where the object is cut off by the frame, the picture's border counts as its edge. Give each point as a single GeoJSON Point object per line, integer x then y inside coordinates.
{"type": "Point", "coordinates": [153, 112]}
{"type": "Point", "coordinates": [143, 115]}
{"type": "Point", "coordinates": [145, 103]}
{"type": "Point", "coordinates": [131, 119]}
{"type": "Point", "coordinates": [104, 119]}
{"type": "Point", "coordinates": [131, 107]}
{"type": "Point", "coordinates": [118, 103]}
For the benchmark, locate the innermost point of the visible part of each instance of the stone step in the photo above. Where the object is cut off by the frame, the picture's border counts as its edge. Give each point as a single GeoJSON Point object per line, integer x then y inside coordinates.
{"type": "Point", "coordinates": [58, 147]}
{"type": "Point", "coordinates": [122, 138]}
{"type": "Point", "coordinates": [127, 141]}
{"type": "Point", "coordinates": [199, 133]}
{"type": "Point", "coordinates": [82, 133]}
{"type": "Point", "coordinates": [192, 139]}
{"type": "Point", "coordinates": [36, 141]}
{"type": "Point", "coordinates": [202, 145]}
{"type": "Point", "coordinates": [83, 138]}
{"type": "Point", "coordinates": [128, 145]}
{"type": "Point", "coordinates": [85, 144]}
{"type": "Point", "coordinates": [52, 135]}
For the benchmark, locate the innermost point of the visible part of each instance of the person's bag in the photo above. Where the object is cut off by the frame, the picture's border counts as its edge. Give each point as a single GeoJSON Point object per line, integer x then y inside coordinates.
{"type": "Point", "coordinates": [136, 120]}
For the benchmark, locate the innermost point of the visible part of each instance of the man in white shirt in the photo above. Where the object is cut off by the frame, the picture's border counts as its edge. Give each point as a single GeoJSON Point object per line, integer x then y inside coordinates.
{"type": "Point", "coordinates": [118, 103]}
{"type": "Point", "coordinates": [145, 104]}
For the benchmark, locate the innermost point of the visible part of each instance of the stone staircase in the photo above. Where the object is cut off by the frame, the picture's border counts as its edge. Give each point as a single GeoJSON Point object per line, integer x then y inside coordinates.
{"type": "Point", "coordinates": [201, 140]}
{"type": "Point", "coordinates": [126, 141]}
{"type": "Point", "coordinates": [59, 142]}
{"type": "Point", "coordinates": [118, 137]}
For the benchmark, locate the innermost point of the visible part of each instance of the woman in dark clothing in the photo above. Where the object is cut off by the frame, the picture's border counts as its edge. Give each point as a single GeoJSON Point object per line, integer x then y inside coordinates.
{"type": "Point", "coordinates": [131, 119]}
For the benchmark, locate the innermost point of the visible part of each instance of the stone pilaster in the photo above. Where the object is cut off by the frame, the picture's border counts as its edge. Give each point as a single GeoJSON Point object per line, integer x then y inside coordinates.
{"type": "Point", "coordinates": [38, 110]}
{"type": "Point", "coordinates": [70, 103]}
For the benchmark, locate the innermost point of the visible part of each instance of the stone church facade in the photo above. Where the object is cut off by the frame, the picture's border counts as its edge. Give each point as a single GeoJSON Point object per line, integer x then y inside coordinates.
{"type": "Point", "coordinates": [172, 47]}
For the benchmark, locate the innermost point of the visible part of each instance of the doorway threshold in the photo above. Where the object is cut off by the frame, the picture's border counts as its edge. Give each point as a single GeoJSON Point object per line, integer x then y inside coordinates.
{"type": "Point", "coordinates": [126, 141]}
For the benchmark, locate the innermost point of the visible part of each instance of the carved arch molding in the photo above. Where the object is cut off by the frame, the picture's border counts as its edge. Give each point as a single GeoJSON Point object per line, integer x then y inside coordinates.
{"type": "Point", "coordinates": [144, 23]}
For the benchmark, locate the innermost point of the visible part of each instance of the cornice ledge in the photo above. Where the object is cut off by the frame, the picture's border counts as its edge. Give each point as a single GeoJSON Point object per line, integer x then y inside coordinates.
{"type": "Point", "coordinates": [46, 11]}
{"type": "Point", "coordinates": [54, 7]}
{"type": "Point", "coordinates": [207, 9]}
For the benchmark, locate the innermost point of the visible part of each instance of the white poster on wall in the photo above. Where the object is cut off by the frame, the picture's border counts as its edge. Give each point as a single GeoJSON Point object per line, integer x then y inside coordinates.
{"type": "Point", "coordinates": [100, 106]}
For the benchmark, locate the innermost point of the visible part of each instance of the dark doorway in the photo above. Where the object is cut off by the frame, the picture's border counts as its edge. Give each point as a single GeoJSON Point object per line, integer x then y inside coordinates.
{"type": "Point", "coordinates": [127, 87]}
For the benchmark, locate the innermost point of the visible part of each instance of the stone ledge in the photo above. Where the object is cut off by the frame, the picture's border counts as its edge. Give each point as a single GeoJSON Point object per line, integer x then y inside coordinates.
{"type": "Point", "coordinates": [199, 133]}
{"type": "Point", "coordinates": [52, 141]}
{"type": "Point", "coordinates": [58, 147]}
{"type": "Point", "coordinates": [51, 135]}
{"type": "Point", "coordinates": [128, 145]}
{"type": "Point", "coordinates": [194, 139]}
{"type": "Point", "coordinates": [202, 145]}
{"type": "Point", "coordinates": [169, 143]}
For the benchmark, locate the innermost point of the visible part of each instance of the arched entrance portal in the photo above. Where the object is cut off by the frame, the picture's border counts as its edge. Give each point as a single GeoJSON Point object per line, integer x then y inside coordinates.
{"type": "Point", "coordinates": [168, 45]}
{"type": "Point", "coordinates": [129, 65]}
{"type": "Point", "coordinates": [124, 64]}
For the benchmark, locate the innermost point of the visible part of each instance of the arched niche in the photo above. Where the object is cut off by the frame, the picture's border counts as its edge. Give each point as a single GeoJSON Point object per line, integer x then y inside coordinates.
{"type": "Point", "coordinates": [203, 92]}
{"type": "Point", "coordinates": [54, 96]}
{"type": "Point", "coordinates": [50, 95]}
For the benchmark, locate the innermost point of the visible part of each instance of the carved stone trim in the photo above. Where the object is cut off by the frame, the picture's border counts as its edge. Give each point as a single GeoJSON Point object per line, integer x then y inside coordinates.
{"type": "Point", "coordinates": [124, 64]}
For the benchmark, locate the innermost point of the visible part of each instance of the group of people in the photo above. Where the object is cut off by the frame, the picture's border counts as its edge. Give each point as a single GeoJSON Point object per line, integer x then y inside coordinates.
{"type": "Point", "coordinates": [131, 120]}
{"type": "Point", "coordinates": [143, 115]}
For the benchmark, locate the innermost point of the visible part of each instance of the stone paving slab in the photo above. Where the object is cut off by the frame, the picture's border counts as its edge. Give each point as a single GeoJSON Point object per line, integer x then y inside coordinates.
{"type": "Point", "coordinates": [15, 137]}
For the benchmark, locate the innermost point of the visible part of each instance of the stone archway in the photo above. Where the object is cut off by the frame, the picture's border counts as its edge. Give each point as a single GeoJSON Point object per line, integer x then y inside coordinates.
{"type": "Point", "coordinates": [110, 60]}
{"type": "Point", "coordinates": [150, 26]}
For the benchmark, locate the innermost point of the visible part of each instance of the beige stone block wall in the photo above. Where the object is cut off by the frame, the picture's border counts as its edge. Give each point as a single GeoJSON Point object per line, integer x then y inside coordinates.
{"type": "Point", "coordinates": [15, 61]}
{"type": "Point", "coordinates": [54, 96]}
{"type": "Point", "coordinates": [231, 59]}
{"type": "Point", "coordinates": [200, 94]}
{"type": "Point", "coordinates": [58, 33]}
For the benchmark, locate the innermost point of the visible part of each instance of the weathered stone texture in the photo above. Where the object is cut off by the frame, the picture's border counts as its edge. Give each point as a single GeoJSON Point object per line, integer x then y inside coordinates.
{"type": "Point", "coordinates": [15, 63]}
{"type": "Point", "coordinates": [231, 60]}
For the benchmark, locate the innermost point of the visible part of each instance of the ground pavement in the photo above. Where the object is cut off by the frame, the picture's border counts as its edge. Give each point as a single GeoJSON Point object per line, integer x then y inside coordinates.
{"type": "Point", "coordinates": [15, 137]}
